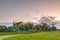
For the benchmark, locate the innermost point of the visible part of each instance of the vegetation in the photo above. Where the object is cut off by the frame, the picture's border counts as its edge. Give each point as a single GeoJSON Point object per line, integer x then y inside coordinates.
{"type": "Point", "coordinates": [27, 27]}
{"type": "Point", "coordinates": [52, 35]}
{"type": "Point", "coordinates": [7, 33]}
{"type": "Point", "coordinates": [29, 31]}
{"type": "Point", "coordinates": [43, 27]}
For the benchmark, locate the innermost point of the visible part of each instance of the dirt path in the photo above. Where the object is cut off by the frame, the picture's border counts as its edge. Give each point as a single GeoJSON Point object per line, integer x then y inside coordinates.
{"type": "Point", "coordinates": [6, 36]}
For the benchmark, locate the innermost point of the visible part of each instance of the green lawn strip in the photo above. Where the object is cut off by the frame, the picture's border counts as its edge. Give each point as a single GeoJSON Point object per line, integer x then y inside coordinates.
{"type": "Point", "coordinates": [7, 33]}
{"type": "Point", "coordinates": [53, 35]}
{"type": "Point", "coordinates": [6, 36]}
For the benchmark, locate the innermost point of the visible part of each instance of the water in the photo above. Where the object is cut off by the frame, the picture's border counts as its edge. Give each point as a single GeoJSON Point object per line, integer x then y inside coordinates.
{"type": "Point", "coordinates": [6, 24]}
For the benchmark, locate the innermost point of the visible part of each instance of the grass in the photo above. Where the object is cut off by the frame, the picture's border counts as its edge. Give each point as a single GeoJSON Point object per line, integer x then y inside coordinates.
{"type": "Point", "coordinates": [13, 33]}
{"type": "Point", "coordinates": [7, 33]}
{"type": "Point", "coordinates": [54, 35]}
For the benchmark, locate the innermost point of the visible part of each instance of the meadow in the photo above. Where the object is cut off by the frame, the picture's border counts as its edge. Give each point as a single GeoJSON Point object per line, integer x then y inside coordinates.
{"type": "Point", "coordinates": [7, 33]}
{"type": "Point", "coordinates": [52, 35]}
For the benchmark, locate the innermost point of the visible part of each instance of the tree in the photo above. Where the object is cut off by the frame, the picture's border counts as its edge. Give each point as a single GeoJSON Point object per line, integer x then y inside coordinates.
{"type": "Point", "coordinates": [38, 27]}
{"type": "Point", "coordinates": [28, 26]}
{"type": "Point", "coordinates": [53, 27]}
{"type": "Point", "coordinates": [43, 27]}
{"type": "Point", "coordinates": [3, 28]}
{"type": "Point", "coordinates": [21, 27]}
{"type": "Point", "coordinates": [12, 29]}
{"type": "Point", "coordinates": [31, 26]}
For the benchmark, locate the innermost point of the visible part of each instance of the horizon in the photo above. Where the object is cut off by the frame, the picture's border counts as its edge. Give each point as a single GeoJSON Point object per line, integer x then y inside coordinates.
{"type": "Point", "coordinates": [46, 18]}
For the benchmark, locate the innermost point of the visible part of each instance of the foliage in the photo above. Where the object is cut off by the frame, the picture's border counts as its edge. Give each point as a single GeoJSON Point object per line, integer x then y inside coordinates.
{"type": "Point", "coordinates": [3, 28]}
{"type": "Point", "coordinates": [43, 27]}
{"type": "Point", "coordinates": [30, 26]}
{"type": "Point", "coordinates": [21, 27]}
{"type": "Point", "coordinates": [12, 29]}
{"type": "Point", "coordinates": [53, 27]}
{"type": "Point", "coordinates": [27, 27]}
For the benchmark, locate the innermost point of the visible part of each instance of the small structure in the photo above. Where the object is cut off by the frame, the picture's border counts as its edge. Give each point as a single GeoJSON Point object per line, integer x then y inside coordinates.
{"type": "Point", "coordinates": [17, 23]}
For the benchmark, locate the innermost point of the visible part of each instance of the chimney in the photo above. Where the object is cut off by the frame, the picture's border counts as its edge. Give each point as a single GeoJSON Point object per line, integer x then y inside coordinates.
{"type": "Point", "coordinates": [13, 23]}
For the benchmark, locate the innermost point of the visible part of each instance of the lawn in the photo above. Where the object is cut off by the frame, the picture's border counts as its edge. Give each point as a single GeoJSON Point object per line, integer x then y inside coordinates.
{"type": "Point", "coordinates": [54, 35]}
{"type": "Point", "coordinates": [7, 33]}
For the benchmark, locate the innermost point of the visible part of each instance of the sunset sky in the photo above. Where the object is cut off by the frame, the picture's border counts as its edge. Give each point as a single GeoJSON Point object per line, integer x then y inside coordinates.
{"type": "Point", "coordinates": [24, 10]}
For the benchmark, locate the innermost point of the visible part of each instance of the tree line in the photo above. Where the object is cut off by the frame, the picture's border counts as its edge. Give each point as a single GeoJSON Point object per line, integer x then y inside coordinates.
{"type": "Point", "coordinates": [28, 27]}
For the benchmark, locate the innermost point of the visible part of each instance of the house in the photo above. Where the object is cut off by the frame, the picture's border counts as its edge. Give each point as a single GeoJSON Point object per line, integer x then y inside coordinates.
{"type": "Point", "coordinates": [17, 23]}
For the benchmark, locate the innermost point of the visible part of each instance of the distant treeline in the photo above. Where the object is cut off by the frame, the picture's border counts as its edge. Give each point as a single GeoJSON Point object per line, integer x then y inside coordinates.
{"type": "Point", "coordinates": [28, 27]}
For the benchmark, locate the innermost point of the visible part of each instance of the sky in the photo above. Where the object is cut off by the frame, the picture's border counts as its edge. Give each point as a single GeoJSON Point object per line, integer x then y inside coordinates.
{"type": "Point", "coordinates": [25, 10]}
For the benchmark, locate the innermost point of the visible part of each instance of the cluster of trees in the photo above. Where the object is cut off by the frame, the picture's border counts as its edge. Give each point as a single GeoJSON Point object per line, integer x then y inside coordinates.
{"type": "Point", "coordinates": [27, 27]}
{"type": "Point", "coordinates": [45, 27]}
{"type": "Point", "coordinates": [22, 27]}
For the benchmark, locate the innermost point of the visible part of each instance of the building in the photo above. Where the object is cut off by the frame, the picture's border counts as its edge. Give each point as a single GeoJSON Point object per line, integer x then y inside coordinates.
{"type": "Point", "coordinates": [17, 23]}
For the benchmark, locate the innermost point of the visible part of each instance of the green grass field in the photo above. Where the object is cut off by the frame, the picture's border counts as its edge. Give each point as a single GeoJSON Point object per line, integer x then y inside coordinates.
{"type": "Point", "coordinates": [54, 35]}
{"type": "Point", "coordinates": [7, 33]}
